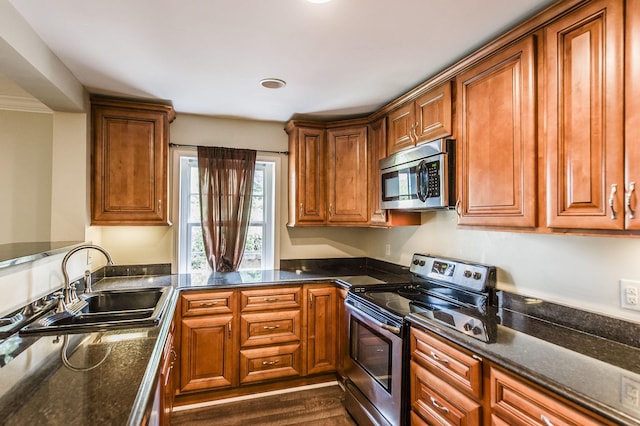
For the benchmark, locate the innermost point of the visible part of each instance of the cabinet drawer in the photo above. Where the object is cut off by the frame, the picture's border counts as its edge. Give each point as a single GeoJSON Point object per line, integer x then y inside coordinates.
{"type": "Point", "coordinates": [269, 363]}
{"type": "Point", "coordinates": [457, 366]}
{"type": "Point", "coordinates": [444, 406]}
{"type": "Point", "coordinates": [269, 328]}
{"type": "Point", "coordinates": [270, 298]}
{"type": "Point", "coordinates": [514, 401]}
{"type": "Point", "coordinates": [207, 303]}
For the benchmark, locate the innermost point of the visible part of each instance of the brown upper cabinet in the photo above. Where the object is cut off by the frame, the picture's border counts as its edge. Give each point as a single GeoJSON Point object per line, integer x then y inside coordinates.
{"type": "Point", "coordinates": [632, 110]}
{"type": "Point", "coordinates": [583, 77]}
{"type": "Point", "coordinates": [496, 150]}
{"type": "Point", "coordinates": [347, 170]}
{"type": "Point", "coordinates": [129, 162]}
{"type": "Point", "coordinates": [307, 178]}
{"type": "Point", "coordinates": [423, 119]}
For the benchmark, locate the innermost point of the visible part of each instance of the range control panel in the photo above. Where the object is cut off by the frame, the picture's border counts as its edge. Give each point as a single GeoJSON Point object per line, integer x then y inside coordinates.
{"type": "Point", "coordinates": [472, 276]}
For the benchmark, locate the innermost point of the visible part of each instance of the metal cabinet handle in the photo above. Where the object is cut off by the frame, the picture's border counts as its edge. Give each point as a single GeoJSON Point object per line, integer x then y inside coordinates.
{"type": "Point", "coordinates": [160, 206]}
{"type": "Point", "coordinates": [415, 132]}
{"type": "Point", "coordinates": [437, 358]}
{"type": "Point", "coordinates": [300, 210]}
{"type": "Point", "coordinates": [271, 327]}
{"type": "Point", "coordinates": [270, 362]}
{"type": "Point", "coordinates": [310, 300]}
{"type": "Point", "coordinates": [208, 304]}
{"type": "Point", "coordinates": [438, 406]}
{"type": "Point", "coordinates": [229, 329]}
{"type": "Point", "coordinates": [458, 207]}
{"type": "Point", "coordinates": [545, 420]}
{"type": "Point", "coordinates": [612, 195]}
{"type": "Point", "coordinates": [627, 200]}
{"type": "Point", "coordinates": [271, 299]}
{"type": "Point", "coordinates": [411, 134]}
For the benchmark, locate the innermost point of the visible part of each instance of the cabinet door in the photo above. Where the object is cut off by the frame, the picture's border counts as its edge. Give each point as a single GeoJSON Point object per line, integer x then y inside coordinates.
{"type": "Point", "coordinates": [632, 110]}
{"type": "Point", "coordinates": [307, 179]}
{"type": "Point", "coordinates": [400, 125]}
{"type": "Point", "coordinates": [348, 172]}
{"type": "Point", "coordinates": [129, 175]}
{"type": "Point", "coordinates": [342, 331]}
{"type": "Point", "coordinates": [321, 330]}
{"type": "Point", "coordinates": [497, 139]}
{"type": "Point", "coordinates": [584, 85]}
{"type": "Point", "coordinates": [207, 354]}
{"type": "Point", "coordinates": [433, 113]}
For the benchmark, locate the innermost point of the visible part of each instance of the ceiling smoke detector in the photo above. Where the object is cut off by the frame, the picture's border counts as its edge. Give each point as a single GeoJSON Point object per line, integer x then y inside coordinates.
{"type": "Point", "coordinates": [272, 83]}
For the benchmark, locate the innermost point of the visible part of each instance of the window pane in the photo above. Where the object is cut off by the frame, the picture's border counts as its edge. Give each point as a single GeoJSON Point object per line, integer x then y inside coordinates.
{"type": "Point", "coordinates": [194, 185]}
{"type": "Point", "coordinates": [257, 209]}
{"type": "Point", "coordinates": [198, 257]}
{"type": "Point", "coordinates": [258, 182]}
{"type": "Point", "coordinates": [194, 208]}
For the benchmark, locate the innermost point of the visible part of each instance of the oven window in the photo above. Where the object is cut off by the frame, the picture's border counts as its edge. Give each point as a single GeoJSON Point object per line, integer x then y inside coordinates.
{"type": "Point", "coordinates": [372, 352]}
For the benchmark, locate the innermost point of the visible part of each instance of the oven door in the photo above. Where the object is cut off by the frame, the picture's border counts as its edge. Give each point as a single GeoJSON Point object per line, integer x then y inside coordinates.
{"type": "Point", "coordinates": [373, 367]}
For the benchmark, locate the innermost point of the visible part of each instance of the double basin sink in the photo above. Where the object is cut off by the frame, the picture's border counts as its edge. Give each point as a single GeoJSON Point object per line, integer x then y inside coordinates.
{"type": "Point", "coordinates": [105, 310]}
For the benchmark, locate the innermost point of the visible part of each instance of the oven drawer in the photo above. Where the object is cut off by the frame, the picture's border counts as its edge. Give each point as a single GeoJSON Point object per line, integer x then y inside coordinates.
{"type": "Point", "coordinates": [267, 299]}
{"type": "Point", "coordinates": [456, 365]}
{"type": "Point", "coordinates": [269, 328]}
{"type": "Point", "coordinates": [444, 406]}
{"type": "Point", "coordinates": [207, 303]}
{"type": "Point", "coordinates": [269, 363]}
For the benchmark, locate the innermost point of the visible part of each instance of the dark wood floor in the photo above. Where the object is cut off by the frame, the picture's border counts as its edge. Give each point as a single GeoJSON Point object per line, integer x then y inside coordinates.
{"type": "Point", "coordinates": [320, 406]}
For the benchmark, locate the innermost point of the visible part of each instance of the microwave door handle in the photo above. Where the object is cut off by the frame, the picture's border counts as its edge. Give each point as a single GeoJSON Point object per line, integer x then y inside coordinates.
{"type": "Point", "coordinates": [419, 187]}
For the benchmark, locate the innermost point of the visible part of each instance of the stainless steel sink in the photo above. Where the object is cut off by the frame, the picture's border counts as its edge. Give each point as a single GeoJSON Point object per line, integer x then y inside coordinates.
{"type": "Point", "coordinates": [106, 310]}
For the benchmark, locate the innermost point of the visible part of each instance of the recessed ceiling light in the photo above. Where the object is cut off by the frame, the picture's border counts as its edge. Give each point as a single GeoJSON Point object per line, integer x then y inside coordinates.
{"type": "Point", "coordinates": [272, 83]}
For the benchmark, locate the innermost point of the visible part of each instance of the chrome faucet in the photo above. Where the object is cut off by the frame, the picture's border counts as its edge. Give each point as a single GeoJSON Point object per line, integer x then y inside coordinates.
{"type": "Point", "coordinates": [69, 290]}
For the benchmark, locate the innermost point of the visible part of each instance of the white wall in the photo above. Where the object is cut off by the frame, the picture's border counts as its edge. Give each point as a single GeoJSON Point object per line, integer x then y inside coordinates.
{"type": "Point", "coordinates": [572, 270]}
{"type": "Point", "coordinates": [25, 176]}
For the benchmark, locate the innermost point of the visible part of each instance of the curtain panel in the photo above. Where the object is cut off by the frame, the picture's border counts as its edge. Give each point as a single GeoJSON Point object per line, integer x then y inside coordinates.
{"type": "Point", "coordinates": [226, 184]}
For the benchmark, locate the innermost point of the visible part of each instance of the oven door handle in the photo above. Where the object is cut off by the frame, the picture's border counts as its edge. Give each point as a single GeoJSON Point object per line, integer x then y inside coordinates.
{"type": "Point", "coordinates": [391, 328]}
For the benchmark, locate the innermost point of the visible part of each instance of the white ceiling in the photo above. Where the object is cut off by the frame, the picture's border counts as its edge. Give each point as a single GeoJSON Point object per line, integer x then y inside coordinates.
{"type": "Point", "coordinates": [339, 59]}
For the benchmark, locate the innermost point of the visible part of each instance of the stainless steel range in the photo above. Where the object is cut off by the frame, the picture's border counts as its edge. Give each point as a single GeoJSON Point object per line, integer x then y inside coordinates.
{"type": "Point", "coordinates": [452, 293]}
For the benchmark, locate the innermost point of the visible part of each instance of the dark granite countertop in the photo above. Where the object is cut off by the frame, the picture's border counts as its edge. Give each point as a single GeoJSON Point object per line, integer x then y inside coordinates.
{"type": "Point", "coordinates": [558, 359]}
{"type": "Point", "coordinates": [586, 369]}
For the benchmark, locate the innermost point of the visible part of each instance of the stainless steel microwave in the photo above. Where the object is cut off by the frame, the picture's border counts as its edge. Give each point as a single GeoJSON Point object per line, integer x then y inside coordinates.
{"type": "Point", "coordinates": [420, 178]}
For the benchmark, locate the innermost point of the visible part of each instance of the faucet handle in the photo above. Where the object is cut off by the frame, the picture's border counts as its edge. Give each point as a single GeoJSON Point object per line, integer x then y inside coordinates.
{"type": "Point", "coordinates": [61, 307]}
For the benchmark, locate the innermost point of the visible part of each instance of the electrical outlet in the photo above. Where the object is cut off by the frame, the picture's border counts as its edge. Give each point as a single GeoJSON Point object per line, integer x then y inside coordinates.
{"type": "Point", "coordinates": [387, 250]}
{"type": "Point", "coordinates": [630, 294]}
{"type": "Point", "coordinates": [630, 393]}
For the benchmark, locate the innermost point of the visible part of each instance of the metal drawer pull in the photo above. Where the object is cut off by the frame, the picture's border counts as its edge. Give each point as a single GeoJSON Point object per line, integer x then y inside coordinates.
{"type": "Point", "coordinates": [437, 358]}
{"type": "Point", "coordinates": [627, 200]}
{"type": "Point", "coordinates": [271, 299]}
{"type": "Point", "coordinates": [270, 362]}
{"type": "Point", "coordinates": [271, 327]}
{"type": "Point", "coordinates": [438, 406]}
{"type": "Point", "coordinates": [458, 207]}
{"type": "Point", "coordinates": [546, 420]}
{"type": "Point", "coordinates": [614, 188]}
{"type": "Point", "coordinates": [208, 304]}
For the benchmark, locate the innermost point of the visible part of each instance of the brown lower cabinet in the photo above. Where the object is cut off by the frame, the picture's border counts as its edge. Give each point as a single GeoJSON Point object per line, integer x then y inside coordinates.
{"type": "Point", "coordinates": [450, 385]}
{"type": "Point", "coordinates": [233, 338]}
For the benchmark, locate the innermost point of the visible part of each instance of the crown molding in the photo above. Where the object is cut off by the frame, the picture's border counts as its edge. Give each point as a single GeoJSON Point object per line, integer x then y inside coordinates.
{"type": "Point", "coordinates": [23, 104]}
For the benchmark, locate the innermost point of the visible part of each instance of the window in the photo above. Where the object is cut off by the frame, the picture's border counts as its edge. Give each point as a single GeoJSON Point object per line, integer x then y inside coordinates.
{"type": "Point", "coordinates": [259, 247]}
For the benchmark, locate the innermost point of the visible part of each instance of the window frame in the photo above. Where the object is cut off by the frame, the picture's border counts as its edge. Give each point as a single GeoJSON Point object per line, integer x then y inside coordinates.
{"type": "Point", "coordinates": [270, 258]}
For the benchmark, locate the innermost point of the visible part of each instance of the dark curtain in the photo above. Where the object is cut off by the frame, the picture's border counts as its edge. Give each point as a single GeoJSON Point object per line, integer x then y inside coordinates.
{"type": "Point", "coordinates": [226, 183]}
